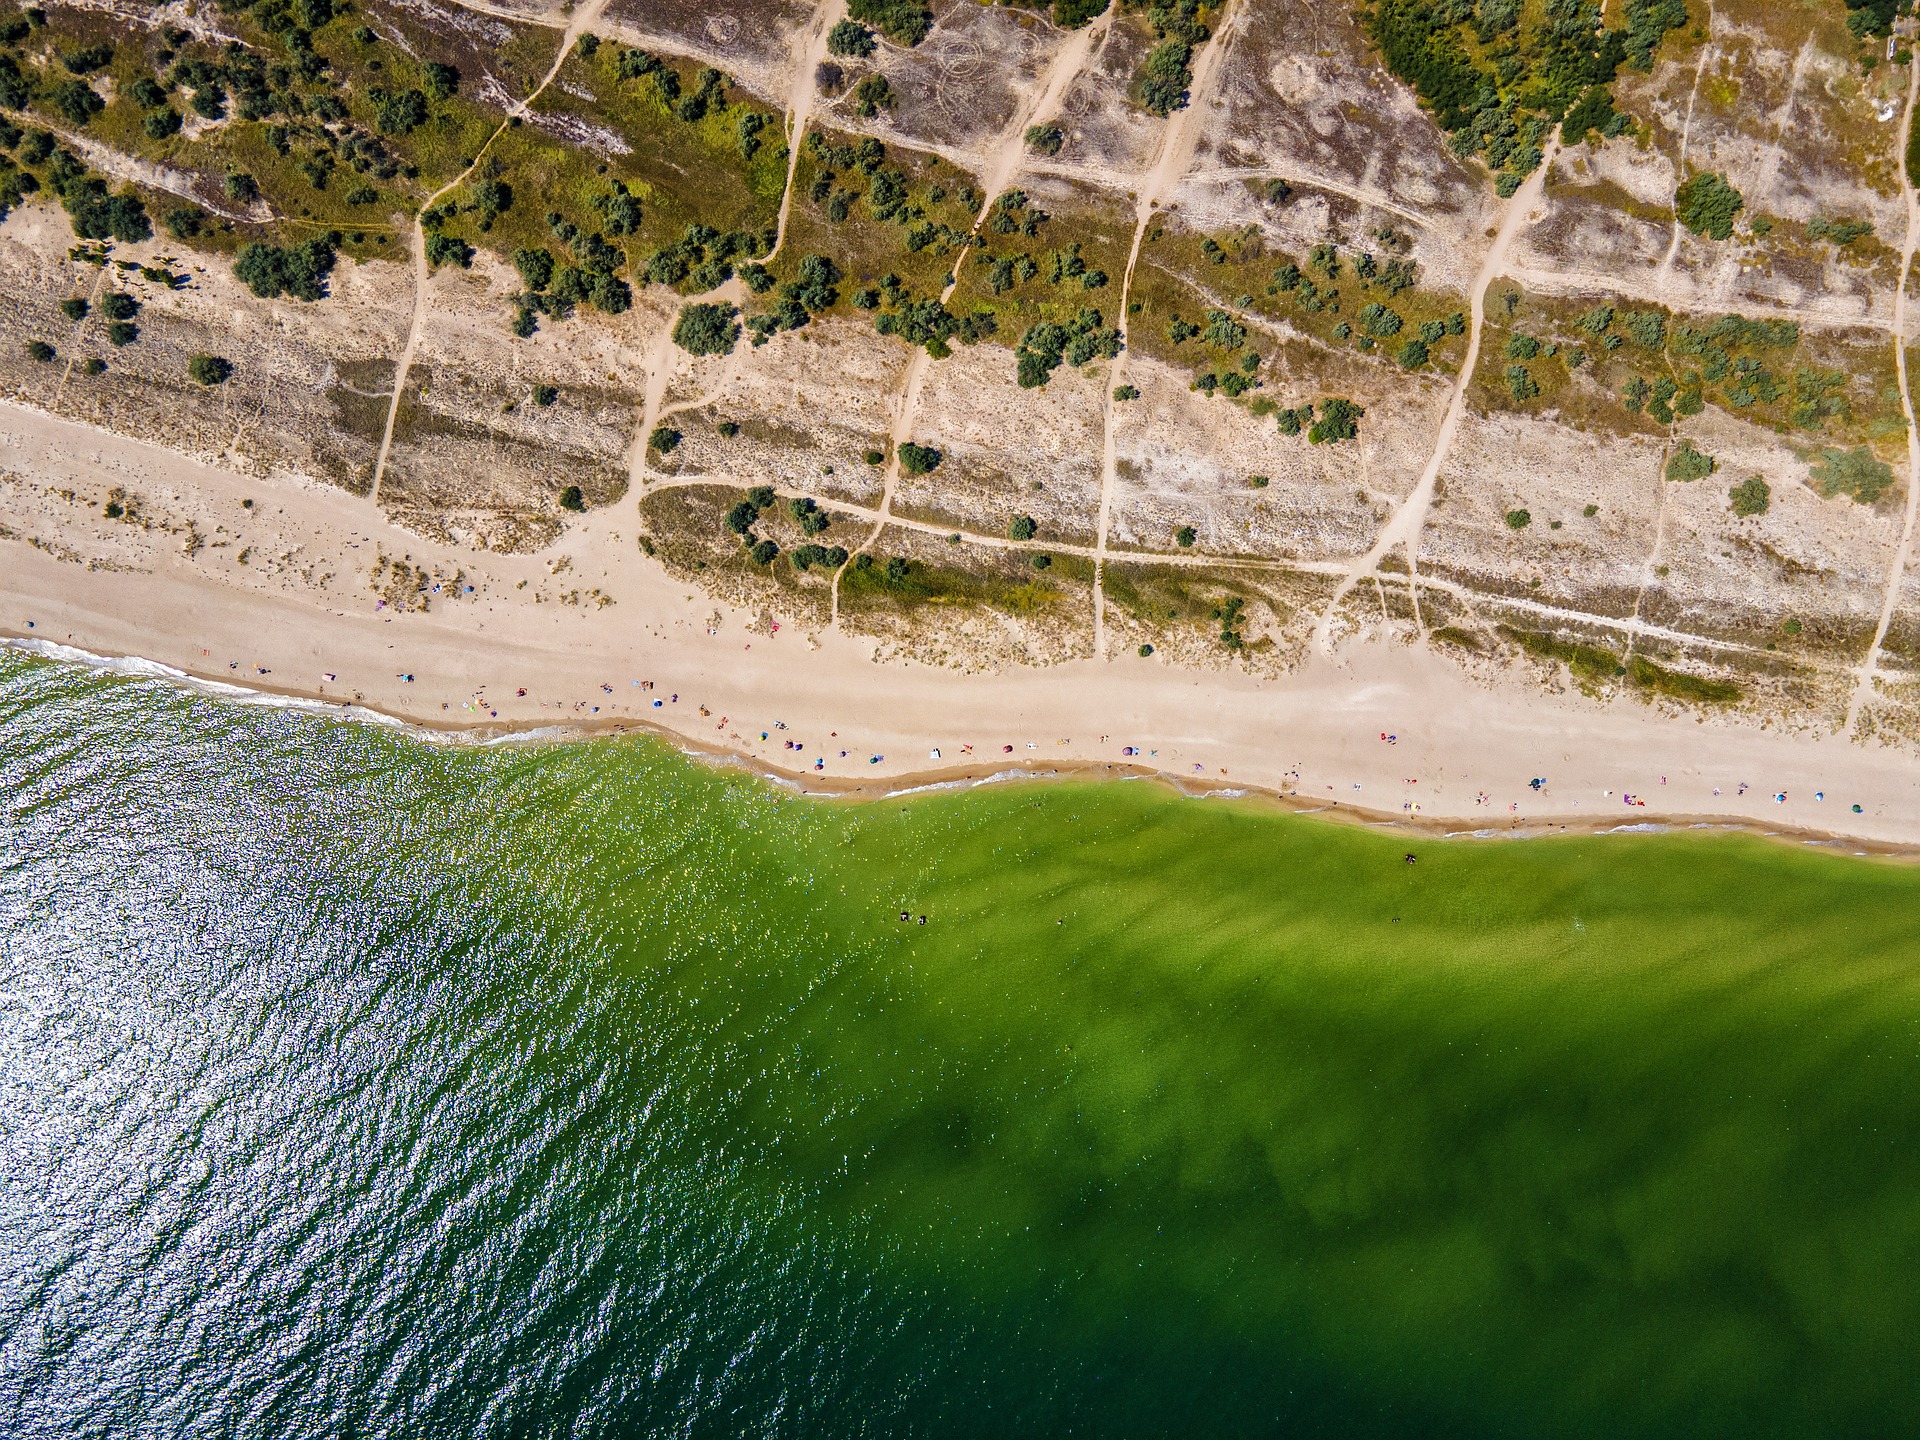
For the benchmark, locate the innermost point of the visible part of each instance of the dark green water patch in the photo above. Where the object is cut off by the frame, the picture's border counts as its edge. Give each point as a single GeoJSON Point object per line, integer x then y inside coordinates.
{"type": "Point", "coordinates": [359, 1087]}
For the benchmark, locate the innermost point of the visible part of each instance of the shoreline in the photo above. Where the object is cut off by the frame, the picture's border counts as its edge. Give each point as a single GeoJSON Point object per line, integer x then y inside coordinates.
{"type": "Point", "coordinates": [916, 783]}
{"type": "Point", "coordinates": [280, 587]}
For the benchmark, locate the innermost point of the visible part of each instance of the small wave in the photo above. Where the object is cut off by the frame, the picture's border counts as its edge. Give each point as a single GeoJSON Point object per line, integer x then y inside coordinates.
{"type": "Point", "coordinates": [140, 668]}
{"type": "Point", "coordinates": [1645, 827]}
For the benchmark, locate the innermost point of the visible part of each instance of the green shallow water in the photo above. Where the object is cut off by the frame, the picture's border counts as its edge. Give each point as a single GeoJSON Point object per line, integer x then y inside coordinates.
{"type": "Point", "coordinates": [354, 1086]}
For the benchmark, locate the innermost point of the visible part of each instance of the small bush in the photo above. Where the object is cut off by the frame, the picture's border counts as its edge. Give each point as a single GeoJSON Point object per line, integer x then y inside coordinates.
{"type": "Point", "coordinates": [665, 439]}
{"type": "Point", "coordinates": [1185, 536]}
{"type": "Point", "coordinates": [1751, 496]}
{"type": "Point", "coordinates": [1125, 392]}
{"type": "Point", "coordinates": [875, 457]}
{"type": "Point", "coordinates": [707, 329]}
{"type": "Point", "coordinates": [1023, 527]}
{"type": "Point", "coordinates": [764, 552]}
{"type": "Point", "coordinates": [209, 370]}
{"type": "Point", "coordinates": [1339, 420]}
{"type": "Point", "coordinates": [545, 395]}
{"type": "Point", "coordinates": [572, 499]}
{"type": "Point", "coordinates": [904, 22]}
{"type": "Point", "coordinates": [122, 332]}
{"type": "Point", "coordinates": [74, 308]}
{"type": "Point", "coordinates": [850, 38]}
{"type": "Point", "coordinates": [919, 459]}
{"type": "Point", "coordinates": [1687, 463]}
{"type": "Point", "coordinates": [1045, 139]}
{"type": "Point", "coordinates": [40, 350]}
{"type": "Point", "coordinates": [1706, 205]}
{"type": "Point", "coordinates": [1852, 472]}
{"type": "Point", "coordinates": [1518, 519]}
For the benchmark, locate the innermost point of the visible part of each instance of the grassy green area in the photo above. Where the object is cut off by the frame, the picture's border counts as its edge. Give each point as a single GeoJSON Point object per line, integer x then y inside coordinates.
{"type": "Point", "coordinates": [1595, 665]}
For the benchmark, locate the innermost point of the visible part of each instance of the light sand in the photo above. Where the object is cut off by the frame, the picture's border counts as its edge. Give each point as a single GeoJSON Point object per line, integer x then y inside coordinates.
{"type": "Point", "coordinates": [300, 610]}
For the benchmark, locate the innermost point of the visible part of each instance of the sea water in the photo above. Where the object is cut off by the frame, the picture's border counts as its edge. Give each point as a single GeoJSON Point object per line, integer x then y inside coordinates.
{"type": "Point", "coordinates": [352, 1085]}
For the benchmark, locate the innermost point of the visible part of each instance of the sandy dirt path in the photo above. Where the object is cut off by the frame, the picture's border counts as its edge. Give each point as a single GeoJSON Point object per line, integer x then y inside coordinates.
{"type": "Point", "coordinates": [582, 21]}
{"type": "Point", "coordinates": [1863, 688]}
{"type": "Point", "coordinates": [1175, 154]}
{"type": "Point", "coordinates": [1410, 519]}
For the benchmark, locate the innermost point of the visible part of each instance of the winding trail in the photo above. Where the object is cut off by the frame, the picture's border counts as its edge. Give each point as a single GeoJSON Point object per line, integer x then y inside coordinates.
{"type": "Point", "coordinates": [810, 48]}
{"type": "Point", "coordinates": [1003, 162]}
{"type": "Point", "coordinates": [582, 21]}
{"type": "Point", "coordinates": [1410, 518]}
{"type": "Point", "coordinates": [1177, 143]}
{"type": "Point", "coordinates": [1869, 667]}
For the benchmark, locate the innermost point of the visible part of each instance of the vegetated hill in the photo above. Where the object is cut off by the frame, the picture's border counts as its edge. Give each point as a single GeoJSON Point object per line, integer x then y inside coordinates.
{"type": "Point", "coordinates": [1166, 302]}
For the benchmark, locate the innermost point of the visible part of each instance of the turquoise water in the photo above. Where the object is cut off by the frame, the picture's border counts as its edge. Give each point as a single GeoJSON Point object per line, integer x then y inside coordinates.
{"type": "Point", "coordinates": [354, 1086]}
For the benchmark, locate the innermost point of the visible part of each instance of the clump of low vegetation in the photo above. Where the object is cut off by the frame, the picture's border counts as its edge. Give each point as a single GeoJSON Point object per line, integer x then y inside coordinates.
{"type": "Point", "coordinates": [209, 370]}
{"type": "Point", "coordinates": [1857, 473]}
{"type": "Point", "coordinates": [707, 329]}
{"type": "Point", "coordinates": [1706, 204]}
{"type": "Point", "coordinates": [1687, 463]}
{"type": "Point", "coordinates": [1750, 497]}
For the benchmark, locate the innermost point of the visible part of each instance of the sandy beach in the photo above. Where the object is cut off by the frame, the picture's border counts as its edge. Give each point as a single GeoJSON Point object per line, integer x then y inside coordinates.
{"type": "Point", "coordinates": [283, 596]}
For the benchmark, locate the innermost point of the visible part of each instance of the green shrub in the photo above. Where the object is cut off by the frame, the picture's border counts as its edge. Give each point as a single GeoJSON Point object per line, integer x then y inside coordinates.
{"type": "Point", "coordinates": [74, 308]}
{"type": "Point", "coordinates": [902, 21]}
{"type": "Point", "coordinates": [122, 332]}
{"type": "Point", "coordinates": [1518, 519]}
{"type": "Point", "coordinates": [1751, 496]}
{"type": "Point", "coordinates": [1072, 14]}
{"type": "Point", "coordinates": [1706, 204]}
{"type": "Point", "coordinates": [918, 459]}
{"type": "Point", "coordinates": [449, 250]}
{"type": "Point", "coordinates": [1045, 139]}
{"type": "Point", "coordinates": [707, 329]}
{"type": "Point", "coordinates": [209, 370]}
{"type": "Point", "coordinates": [1023, 527]}
{"type": "Point", "coordinates": [1677, 685]}
{"type": "Point", "coordinates": [300, 271]}
{"type": "Point", "coordinates": [77, 101]}
{"type": "Point", "coordinates": [1521, 384]}
{"type": "Point", "coordinates": [764, 552]}
{"type": "Point", "coordinates": [664, 439]}
{"type": "Point", "coordinates": [1125, 392]}
{"type": "Point", "coordinates": [545, 395]}
{"type": "Point", "coordinates": [1339, 421]}
{"type": "Point", "coordinates": [1185, 536]}
{"type": "Point", "coordinates": [40, 350]}
{"type": "Point", "coordinates": [850, 38]}
{"type": "Point", "coordinates": [442, 80]}
{"type": "Point", "coordinates": [1687, 463]}
{"type": "Point", "coordinates": [572, 499]}
{"type": "Point", "coordinates": [1852, 472]}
